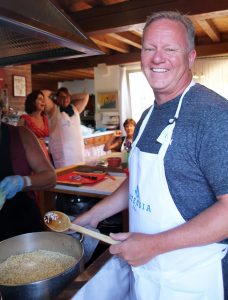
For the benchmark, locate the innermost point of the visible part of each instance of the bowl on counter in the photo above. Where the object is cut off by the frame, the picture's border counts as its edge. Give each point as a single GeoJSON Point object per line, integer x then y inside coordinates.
{"type": "Point", "coordinates": [114, 162]}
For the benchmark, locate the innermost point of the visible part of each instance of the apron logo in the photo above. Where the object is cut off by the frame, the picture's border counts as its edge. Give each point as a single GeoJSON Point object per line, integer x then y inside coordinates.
{"type": "Point", "coordinates": [137, 204]}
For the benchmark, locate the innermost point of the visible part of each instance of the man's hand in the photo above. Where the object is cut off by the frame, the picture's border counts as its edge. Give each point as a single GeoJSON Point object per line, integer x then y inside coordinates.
{"type": "Point", "coordinates": [136, 248]}
{"type": "Point", "coordinates": [11, 185]}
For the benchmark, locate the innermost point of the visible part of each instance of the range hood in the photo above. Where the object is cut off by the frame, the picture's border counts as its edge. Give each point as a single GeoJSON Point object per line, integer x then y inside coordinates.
{"type": "Point", "coordinates": [37, 31]}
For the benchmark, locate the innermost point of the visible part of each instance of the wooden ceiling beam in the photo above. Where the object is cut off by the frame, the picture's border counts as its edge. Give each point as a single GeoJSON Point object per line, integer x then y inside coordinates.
{"type": "Point", "coordinates": [83, 72]}
{"type": "Point", "coordinates": [108, 2]}
{"type": "Point", "coordinates": [128, 38]}
{"type": "Point", "coordinates": [37, 78]}
{"type": "Point", "coordinates": [210, 29]}
{"type": "Point", "coordinates": [69, 74]}
{"type": "Point", "coordinates": [212, 49]}
{"type": "Point", "coordinates": [54, 75]}
{"type": "Point", "coordinates": [89, 62]}
{"type": "Point", "coordinates": [111, 43]}
{"type": "Point", "coordinates": [51, 78]}
{"type": "Point", "coordinates": [78, 6]}
{"type": "Point", "coordinates": [105, 50]}
{"type": "Point", "coordinates": [211, 15]}
{"type": "Point", "coordinates": [137, 32]}
{"type": "Point", "coordinates": [128, 15]}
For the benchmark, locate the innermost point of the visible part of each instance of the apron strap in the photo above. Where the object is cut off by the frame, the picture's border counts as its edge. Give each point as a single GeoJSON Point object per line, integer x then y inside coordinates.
{"type": "Point", "coordinates": [165, 138]}
{"type": "Point", "coordinates": [143, 125]}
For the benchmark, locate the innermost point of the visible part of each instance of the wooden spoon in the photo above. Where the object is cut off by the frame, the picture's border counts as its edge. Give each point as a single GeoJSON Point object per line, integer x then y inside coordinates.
{"type": "Point", "coordinates": [60, 222]}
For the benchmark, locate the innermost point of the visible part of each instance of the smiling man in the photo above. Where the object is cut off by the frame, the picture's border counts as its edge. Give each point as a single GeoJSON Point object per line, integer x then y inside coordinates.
{"type": "Point", "coordinates": [178, 168]}
{"type": "Point", "coordinates": [167, 57]}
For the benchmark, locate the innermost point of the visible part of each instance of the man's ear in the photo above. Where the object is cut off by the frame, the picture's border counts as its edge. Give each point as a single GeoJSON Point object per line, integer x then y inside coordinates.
{"type": "Point", "coordinates": [191, 58]}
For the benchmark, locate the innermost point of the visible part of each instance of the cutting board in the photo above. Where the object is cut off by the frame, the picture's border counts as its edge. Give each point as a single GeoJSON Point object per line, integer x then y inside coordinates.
{"type": "Point", "coordinates": [76, 178]}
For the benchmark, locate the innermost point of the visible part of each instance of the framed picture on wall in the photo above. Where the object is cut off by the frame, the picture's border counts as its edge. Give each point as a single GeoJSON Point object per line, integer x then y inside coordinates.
{"type": "Point", "coordinates": [19, 86]}
{"type": "Point", "coordinates": [107, 100]}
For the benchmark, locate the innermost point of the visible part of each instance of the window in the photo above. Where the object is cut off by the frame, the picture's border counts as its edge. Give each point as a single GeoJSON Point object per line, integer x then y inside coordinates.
{"type": "Point", "coordinates": [141, 94]}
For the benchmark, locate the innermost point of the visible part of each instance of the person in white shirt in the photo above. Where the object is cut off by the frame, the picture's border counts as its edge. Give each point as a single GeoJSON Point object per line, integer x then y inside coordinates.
{"type": "Point", "coordinates": [66, 142]}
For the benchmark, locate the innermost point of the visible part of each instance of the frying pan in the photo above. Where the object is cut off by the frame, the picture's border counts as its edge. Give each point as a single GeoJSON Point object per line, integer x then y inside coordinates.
{"type": "Point", "coordinates": [48, 288]}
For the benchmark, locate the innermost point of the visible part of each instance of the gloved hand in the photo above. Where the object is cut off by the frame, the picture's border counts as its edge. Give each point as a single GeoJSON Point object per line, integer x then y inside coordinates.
{"type": "Point", "coordinates": [11, 185]}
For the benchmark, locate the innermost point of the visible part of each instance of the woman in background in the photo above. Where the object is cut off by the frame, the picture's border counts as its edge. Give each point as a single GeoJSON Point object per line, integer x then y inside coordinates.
{"type": "Point", "coordinates": [117, 142]}
{"type": "Point", "coordinates": [35, 119]}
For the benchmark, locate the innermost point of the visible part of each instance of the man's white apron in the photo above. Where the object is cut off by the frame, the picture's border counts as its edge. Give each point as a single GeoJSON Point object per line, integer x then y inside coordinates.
{"type": "Point", "coordinates": [192, 273]}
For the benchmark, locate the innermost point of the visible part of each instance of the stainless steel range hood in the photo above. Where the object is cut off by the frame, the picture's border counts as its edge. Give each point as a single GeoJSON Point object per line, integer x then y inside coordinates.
{"type": "Point", "coordinates": [38, 31]}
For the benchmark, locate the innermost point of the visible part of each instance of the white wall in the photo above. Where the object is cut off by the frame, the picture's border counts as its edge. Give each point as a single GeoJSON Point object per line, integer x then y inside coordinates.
{"type": "Point", "coordinates": [106, 79]}
{"type": "Point", "coordinates": [213, 73]}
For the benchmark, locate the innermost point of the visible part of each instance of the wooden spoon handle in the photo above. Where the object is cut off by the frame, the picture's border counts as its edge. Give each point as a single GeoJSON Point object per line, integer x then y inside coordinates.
{"type": "Point", "coordinates": [94, 234]}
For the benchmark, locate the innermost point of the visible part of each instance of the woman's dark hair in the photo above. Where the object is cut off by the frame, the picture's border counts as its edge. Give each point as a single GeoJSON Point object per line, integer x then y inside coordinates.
{"type": "Point", "coordinates": [30, 102]}
{"type": "Point", "coordinates": [63, 90]}
{"type": "Point", "coordinates": [129, 121]}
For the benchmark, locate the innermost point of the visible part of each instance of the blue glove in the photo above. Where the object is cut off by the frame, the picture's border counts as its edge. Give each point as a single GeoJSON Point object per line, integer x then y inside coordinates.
{"type": "Point", "coordinates": [11, 185]}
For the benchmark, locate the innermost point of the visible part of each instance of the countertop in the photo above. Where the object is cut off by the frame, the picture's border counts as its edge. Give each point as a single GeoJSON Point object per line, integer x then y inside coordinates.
{"type": "Point", "coordinates": [98, 133]}
{"type": "Point", "coordinates": [100, 189]}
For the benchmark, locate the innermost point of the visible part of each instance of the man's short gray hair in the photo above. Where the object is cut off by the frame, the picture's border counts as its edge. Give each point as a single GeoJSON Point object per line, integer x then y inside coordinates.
{"type": "Point", "coordinates": [177, 17]}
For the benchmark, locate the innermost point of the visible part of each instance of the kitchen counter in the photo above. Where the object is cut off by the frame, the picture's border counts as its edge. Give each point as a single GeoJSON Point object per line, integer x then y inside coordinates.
{"type": "Point", "coordinates": [99, 190]}
{"type": "Point", "coordinates": [98, 133]}
{"type": "Point", "coordinates": [103, 188]}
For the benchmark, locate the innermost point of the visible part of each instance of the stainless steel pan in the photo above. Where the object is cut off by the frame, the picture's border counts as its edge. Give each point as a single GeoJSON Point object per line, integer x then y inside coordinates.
{"type": "Point", "coordinates": [52, 241]}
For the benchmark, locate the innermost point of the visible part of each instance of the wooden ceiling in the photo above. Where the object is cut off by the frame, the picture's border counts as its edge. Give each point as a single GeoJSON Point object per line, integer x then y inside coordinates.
{"type": "Point", "coordinates": [116, 27]}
